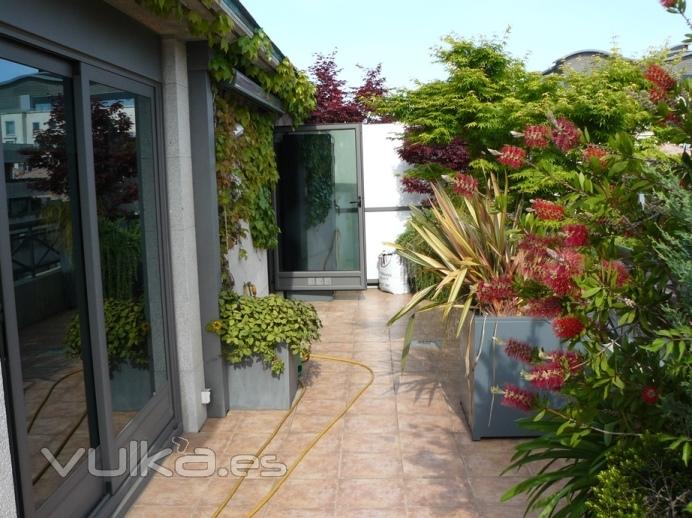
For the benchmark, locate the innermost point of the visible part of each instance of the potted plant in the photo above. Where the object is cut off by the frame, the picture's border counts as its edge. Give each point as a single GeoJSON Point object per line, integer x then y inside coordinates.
{"type": "Point", "coordinates": [127, 333]}
{"type": "Point", "coordinates": [263, 340]}
{"type": "Point", "coordinates": [470, 248]}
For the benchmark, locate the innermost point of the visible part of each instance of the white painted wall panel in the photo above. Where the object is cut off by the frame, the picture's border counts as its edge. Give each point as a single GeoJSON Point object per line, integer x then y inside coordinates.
{"type": "Point", "coordinates": [381, 227]}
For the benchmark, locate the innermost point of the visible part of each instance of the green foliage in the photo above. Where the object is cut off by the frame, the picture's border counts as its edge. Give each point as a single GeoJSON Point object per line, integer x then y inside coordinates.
{"type": "Point", "coordinates": [254, 326]}
{"type": "Point", "coordinates": [568, 468]}
{"type": "Point", "coordinates": [640, 480]}
{"type": "Point", "coordinates": [419, 277]}
{"type": "Point", "coordinates": [120, 244]}
{"type": "Point", "coordinates": [487, 94]}
{"type": "Point", "coordinates": [246, 173]}
{"type": "Point", "coordinates": [244, 53]}
{"type": "Point", "coordinates": [126, 333]}
{"type": "Point", "coordinates": [319, 182]}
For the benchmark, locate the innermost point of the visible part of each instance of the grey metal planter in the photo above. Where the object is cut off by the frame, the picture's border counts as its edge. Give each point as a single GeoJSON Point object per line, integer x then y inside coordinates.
{"type": "Point", "coordinates": [131, 388]}
{"type": "Point", "coordinates": [486, 366]}
{"type": "Point", "coordinates": [253, 386]}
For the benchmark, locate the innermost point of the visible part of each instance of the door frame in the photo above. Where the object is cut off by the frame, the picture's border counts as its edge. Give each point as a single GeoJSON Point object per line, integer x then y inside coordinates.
{"type": "Point", "coordinates": [158, 426]}
{"type": "Point", "coordinates": [340, 280]}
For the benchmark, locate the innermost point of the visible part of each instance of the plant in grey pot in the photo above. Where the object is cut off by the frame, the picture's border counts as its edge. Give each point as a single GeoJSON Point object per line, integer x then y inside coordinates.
{"type": "Point", "coordinates": [263, 341]}
{"type": "Point", "coordinates": [471, 247]}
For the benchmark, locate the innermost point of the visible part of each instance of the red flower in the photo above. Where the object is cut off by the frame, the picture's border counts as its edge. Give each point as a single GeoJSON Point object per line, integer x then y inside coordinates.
{"type": "Point", "coordinates": [548, 307]}
{"type": "Point", "coordinates": [518, 398]}
{"type": "Point", "coordinates": [574, 261]}
{"type": "Point", "coordinates": [464, 185]}
{"type": "Point", "coordinates": [547, 210]}
{"type": "Point", "coordinates": [649, 395]}
{"type": "Point", "coordinates": [558, 278]}
{"type": "Point", "coordinates": [592, 151]}
{"type": "Point", "coordinates": [547, 376]}
{"type": "Point", "coordinates": [570, 360]}
{"type": "Point", "coordinates": [659, 77]}
{"type": "Point", "coordinates": [657, 94]}
{"type": "Point", "coordinates": [575, 235]}
{"type": "Point", "coordinates": [623, 274]}
{"type": "Point", "coordinates": [495, 290]}
{"type": "Point", "coordinates": [537, 136]}
{"type": "Point", "coordinates": [567, 327]}
{"type": "Point", "coordinates": [512, 156]}
{"type": "Point", "coordinates": [669, 4]}
{"type": "Point", "coordinates": [565, 134]}
{"type": "Point", "coordinates": [520, 351]}
{"type": "Point", "coordinates": [416, 185]}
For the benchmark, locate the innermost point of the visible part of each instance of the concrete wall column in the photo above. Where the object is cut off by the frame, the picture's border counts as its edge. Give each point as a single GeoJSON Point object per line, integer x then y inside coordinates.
{"type": "Point", "coordinates": [181, 213]}
{"type": "Point", "coordinates": [206, 219]}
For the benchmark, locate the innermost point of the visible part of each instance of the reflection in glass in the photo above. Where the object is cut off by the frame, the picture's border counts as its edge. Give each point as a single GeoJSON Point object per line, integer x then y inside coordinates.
{"type": "Point", "coordinates": [41, 180]}
{"type": "Point", "coordinates": [318, 201]}
{"type": "Point", "coordinates": [127, 219]}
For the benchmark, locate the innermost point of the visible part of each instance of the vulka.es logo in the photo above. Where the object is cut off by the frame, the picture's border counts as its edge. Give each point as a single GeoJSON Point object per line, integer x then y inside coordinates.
{"type": "Point", "coordinates": [136, 460]}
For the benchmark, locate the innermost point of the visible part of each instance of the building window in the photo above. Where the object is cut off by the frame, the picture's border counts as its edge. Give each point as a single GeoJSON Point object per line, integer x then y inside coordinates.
{"type": "Point", "coordinates": [9, 128]}
{"type": "Point", "coordinates": [35, 127]}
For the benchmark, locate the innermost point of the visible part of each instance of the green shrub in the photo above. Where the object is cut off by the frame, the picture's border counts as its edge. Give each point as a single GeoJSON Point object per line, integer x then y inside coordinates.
{"type": "Point", "coordinates": [254, 326]}
{"type": "Point", "coordinates": [645, 479]}
{"type": "Point", "coordinates": [419, 278]}
{"type": "Point", "coordinates": [126, 332]}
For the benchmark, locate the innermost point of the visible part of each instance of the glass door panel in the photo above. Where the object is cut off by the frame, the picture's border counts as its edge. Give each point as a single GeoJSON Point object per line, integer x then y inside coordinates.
{"type": "Point", "coordinates": [42, 203]}
{"type": "Point", "coordinates": [319, 207]}
{"type": "Point", "coordinates": [126, 204]}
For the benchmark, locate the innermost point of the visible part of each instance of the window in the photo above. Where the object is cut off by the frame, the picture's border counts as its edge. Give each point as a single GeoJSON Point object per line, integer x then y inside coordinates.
{"type": "Point", "coordinates": [35, 127]}
{"type": "Point", "coordinates": [9, 128]}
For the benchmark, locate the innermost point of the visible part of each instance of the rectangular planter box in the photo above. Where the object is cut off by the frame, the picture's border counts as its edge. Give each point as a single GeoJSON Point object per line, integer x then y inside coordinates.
{"type": "Point", "coordinates": [253, 386]}
{"type": "Point", "coordinates": [487, 366]}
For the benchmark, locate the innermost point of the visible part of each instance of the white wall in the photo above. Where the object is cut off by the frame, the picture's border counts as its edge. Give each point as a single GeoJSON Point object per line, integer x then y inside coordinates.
{"type": "Point", "coordinates": [253, 268]}
{"type": "Point", "coordinates": [382, 168]}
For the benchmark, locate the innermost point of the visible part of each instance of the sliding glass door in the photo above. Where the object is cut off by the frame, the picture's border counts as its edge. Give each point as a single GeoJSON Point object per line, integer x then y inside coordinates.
{"type": "Point", "coordinates": [82, 266]}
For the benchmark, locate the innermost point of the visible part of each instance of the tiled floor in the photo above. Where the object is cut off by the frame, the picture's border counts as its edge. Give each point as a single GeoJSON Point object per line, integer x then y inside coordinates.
{"type": "Point", "coordinates": [402, 450]}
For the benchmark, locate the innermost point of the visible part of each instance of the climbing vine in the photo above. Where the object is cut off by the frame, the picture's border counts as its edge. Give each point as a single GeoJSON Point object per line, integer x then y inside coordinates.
{"type": "Point", "coordinates": [246, 172]}
{"type": "Point", "coordinates": [246, 165]}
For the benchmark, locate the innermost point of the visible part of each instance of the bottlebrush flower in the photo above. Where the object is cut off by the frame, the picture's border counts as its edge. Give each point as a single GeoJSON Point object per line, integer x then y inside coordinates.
{"type": "Point", "coordinates": [512, 156]}
{"type": "Point", "coordinates": [575, 235]}
{"type": "Point", "coordinates": [534, 244]}
{"type": "Point", "coordinates": [657, 94]}
{"type": "Point", "coordinates": [659, 77]}
{"type": "Point", "coordinates": [668, 4]}
{"type": "Point", "coordinates": [520, 351]}
{"type": "Point", "coordinates": [593, 151]}
{"type": "Point", "coordinates": [518, 398]}
{"type": "Point", "coordinates": [573, 260]}
{"type": "Point", "coordinates": [623, 274]}
{"type": "Point", "coordinates": [495, 290]}
{"type": "Point", "coordinates": [572, 361]}
{"type": "Point", "coordinates": [567, 327]}
{"type": "Point", "coordinates": [565, 134]}
{"type": "Point", "coordinates": [537, 136]}
{"type": "Point", "coordinates": [547, 376]}
{"type": "Point", "coordinates": [649, 395]}
{"type": "Point", "coordinates": [464, 185]}
{"type": "Point", "coordinates": [547, 210]}
{"type": "Point", "coordinates": [548, 307]}
{"type": "Point", "coordinates": [416, 185]}
{"type": "Point", "coordinates": [558, 277]}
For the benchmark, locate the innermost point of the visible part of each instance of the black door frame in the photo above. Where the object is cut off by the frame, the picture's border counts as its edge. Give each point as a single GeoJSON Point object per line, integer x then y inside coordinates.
{"type": "Point", "coordinates": [159, 420]}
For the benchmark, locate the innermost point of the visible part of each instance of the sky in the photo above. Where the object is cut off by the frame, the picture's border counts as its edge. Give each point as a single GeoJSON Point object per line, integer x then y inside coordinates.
{"type": "Point", "coordinates": [401, 33]}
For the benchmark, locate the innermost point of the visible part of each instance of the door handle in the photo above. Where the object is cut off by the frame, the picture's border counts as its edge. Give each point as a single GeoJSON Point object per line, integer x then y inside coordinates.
{"type": "Point", "coordinates": [358, 203]}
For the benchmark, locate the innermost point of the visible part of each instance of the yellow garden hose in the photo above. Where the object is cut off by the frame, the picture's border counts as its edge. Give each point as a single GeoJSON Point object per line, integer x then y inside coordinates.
{"type": "Point", "coordinates": [312, 443]}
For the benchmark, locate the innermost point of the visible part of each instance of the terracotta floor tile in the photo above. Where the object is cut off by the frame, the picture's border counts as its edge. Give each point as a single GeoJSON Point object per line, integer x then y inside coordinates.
{"type": "Point", "coordinates": [370, 494]}
{"type": "Point", "coordinates": [371, 443]}
{"type": "Point", "coordinates": [437, 492]}
{"type": "Point", "coordinates": [308, 494]}
{"type": "Point", "coordinates": [370, 465]}
{"type": "Point", "coordinates": [402, 450]}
